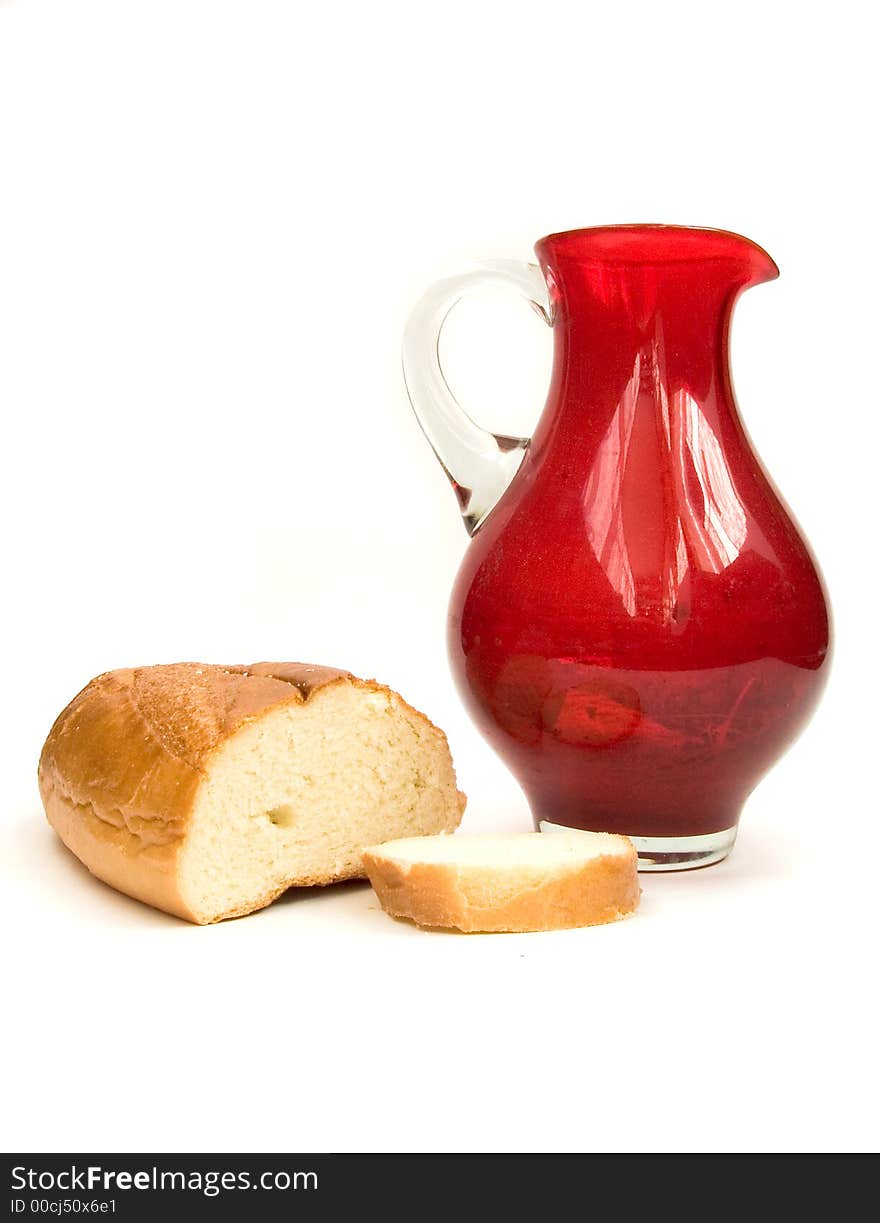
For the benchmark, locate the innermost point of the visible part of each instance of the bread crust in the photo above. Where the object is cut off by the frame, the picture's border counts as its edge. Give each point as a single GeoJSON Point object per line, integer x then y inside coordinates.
{"type": "Point", "coordinates": [122, 765]}
{"type": "Point", "coordinates": [437, 894]}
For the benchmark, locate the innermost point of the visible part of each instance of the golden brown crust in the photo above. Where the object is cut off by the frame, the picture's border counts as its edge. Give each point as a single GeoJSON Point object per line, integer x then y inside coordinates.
{"type": "Point", "coordinates": [306, 677]}
{"type": "Point", "coordinates": [121, 766]}
{"type": "Point", "coordinates": [436, 894]}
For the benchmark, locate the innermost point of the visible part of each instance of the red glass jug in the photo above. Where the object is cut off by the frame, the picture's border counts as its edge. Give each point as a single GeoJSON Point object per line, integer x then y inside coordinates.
{"type": "Point", "coordinates": [638, 627]}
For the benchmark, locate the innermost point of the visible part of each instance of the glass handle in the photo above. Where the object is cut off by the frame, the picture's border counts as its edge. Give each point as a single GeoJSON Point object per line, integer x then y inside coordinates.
{"type": "Point", "coordinates": [479, 464]}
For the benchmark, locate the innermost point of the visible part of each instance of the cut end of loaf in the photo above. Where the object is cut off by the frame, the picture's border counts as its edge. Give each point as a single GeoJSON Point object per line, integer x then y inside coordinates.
{"type": "Point", "coordinates": [506, 882]}
{"type": "Point", "coordinates": [291, 799]}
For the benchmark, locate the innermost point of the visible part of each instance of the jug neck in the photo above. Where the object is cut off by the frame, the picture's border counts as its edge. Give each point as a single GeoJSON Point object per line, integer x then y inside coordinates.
{"type": "Point", "coordinates": [644, 307]}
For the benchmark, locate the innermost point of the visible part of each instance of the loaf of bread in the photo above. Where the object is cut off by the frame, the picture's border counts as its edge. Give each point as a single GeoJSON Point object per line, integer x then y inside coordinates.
{"type": "Point", "coordinates": [207, 791]}
{"type": "Point", "coordinates": [513, 882]}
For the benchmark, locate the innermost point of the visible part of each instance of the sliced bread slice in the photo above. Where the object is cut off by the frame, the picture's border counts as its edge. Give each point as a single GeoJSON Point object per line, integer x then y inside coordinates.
{"type": "Point", "coordinates": [506, 882]}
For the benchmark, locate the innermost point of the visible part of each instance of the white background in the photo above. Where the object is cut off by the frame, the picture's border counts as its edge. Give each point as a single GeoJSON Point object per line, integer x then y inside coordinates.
{"type": "Point", "coordinates": [214, 218]}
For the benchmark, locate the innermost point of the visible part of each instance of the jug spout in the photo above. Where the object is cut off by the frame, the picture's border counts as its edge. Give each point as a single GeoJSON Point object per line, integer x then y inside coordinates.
{"type": "Point", "coordinates": [666, 249]}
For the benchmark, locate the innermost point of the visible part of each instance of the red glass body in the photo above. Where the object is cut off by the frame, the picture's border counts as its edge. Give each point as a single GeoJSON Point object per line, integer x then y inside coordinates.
{"type": "Point", "coordinates": [638, 627]}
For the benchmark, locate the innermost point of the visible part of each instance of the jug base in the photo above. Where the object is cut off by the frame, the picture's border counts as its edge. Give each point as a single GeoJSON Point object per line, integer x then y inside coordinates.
{"type": "Point", "coordinates": [672, 853]}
